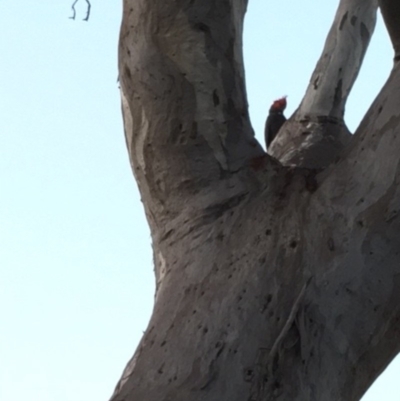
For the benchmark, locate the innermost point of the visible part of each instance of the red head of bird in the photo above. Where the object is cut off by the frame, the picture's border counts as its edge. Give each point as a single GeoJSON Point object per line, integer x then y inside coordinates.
{"type": "Point", "coordinates": [279, 104]}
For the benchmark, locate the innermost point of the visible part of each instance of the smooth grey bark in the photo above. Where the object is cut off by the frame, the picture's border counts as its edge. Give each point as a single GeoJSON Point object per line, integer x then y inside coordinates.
{"type": "Point", "coordinates": [391, 13]}
{"type": "Point", "coordinates": [317, 133]}
{"type": "Point", "coordinates": [273, 283]}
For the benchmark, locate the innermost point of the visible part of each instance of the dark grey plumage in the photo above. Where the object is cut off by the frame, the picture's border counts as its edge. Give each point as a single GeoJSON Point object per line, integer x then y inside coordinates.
{"type": "Point", "coordinates": [275, 120]}
{"type": "Point", "coordinates": [274, 123]}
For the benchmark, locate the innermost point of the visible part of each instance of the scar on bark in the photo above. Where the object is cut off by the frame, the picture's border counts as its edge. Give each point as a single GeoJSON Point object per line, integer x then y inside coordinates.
{"type": "Point", "coordinates": [87, 12]}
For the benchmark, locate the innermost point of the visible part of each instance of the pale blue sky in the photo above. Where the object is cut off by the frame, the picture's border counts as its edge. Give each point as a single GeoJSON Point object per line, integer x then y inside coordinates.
{"type": "Point", "coordinates": [76, 274]}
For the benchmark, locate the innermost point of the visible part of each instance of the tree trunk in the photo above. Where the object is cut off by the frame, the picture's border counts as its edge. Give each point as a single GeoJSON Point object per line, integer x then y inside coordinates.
{"type": "Point", "coordinates": [316, 133]}
{"type": "Point", "coordinates": [273, 283]}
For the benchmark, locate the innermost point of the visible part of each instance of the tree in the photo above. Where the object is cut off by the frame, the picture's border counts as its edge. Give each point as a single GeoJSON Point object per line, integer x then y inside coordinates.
{"type": "Point", "coordinates": [276, 279]}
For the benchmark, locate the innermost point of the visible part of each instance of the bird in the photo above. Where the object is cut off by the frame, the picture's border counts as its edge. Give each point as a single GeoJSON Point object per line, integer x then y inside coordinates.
{"type": "Point", "coordinates": [275, 120]}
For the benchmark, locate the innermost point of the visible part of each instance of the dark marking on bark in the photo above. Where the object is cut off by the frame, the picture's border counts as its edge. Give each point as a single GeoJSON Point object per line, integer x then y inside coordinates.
{"type": "Point", "coordinates": [306, 133]}
{"type": "Point", "coordinates": [230, 53]}
{"type": "Point", "coordinates": [343, 21]}
{"type": "Point", "coordinates": [311, 181]}
{"type": "Point", "coordinates": [212, 377]}
{"type": "Point", "coordinates": [288, 178]}
{"type": "Point", "coordinates": [337, 97]}
{"type": "Point", "coordinates": [392, 216]}
{"type": "Point", "coordinates": [315, 83]}
{"type": "Point", "coordinates": [322, 120]}
{"type": "Point", "coordinates": [163, 343]}
{"type": "Point", "coordinates": [331, 244]}
{"type": "Point", "coordinates": [127, 73]}
{"type": "Point", "coordinates": [248, 375]}
{"type": "Point", "coordinates": [167, 234]}
{"type": "Point", "coordinates": [353, 20]}
{"type": "Point", "coordinates": [215, 98]}
{"type": "Point", "coordinates": [220, 236]}
{"type": "Point", "coordinates": [293, 244]}
{"type": "Point", "coordinates": [380, 110]}
{"type": "Point", "coordinates": [202, 27]}
{"type": "Point", "coordinates": [217, 210]}
{"type": "Point", "coordinates": [365, 37]}
{"type": "Point", "coordinates": [220, 347]}
{"type": "Point", "coordinates": [276, 385]}
{"type": "Point", "coordinates": [268, 300]}
{"type": "Point", "coordinates": [268, 232]}
{"type": "Point", "coordinates": [281, 196]}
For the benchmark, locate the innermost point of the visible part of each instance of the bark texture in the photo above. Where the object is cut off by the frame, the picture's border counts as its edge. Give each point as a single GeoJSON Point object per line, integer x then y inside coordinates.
{"type": "Point", "coordinates": [316, 133]}
{"type": "Point", "coordinates": [273, 283]}
{"type": "Point", "coordinates": [391, 13]}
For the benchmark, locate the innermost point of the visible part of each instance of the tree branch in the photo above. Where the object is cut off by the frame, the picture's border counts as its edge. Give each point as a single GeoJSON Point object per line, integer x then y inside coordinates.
{"type": "Point", "coordinates": [73, 9]}
{"type": "Point", "coordinates": [341, 60]}
{"type": "Point", "coordinates": [232, 254]}
{"type": "Point", "coordinates": [391, 14]}
{"type": "Point", "coordinates": [184, 100]}
{"type": "Point", "coordinates": [89, 6]}
{"type": "Point", "coordinates": [316, 133]}
{"type": "Point", "coordinates": [88, 11]}
{"type": "Point", "coordinates": [367, 180]}
{"type": "Point", "coordinates": [363, 192]}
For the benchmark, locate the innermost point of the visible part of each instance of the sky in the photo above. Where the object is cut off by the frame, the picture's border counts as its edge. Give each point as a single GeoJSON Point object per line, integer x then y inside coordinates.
{"type": "Point", "coordinates": [76, 270]}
